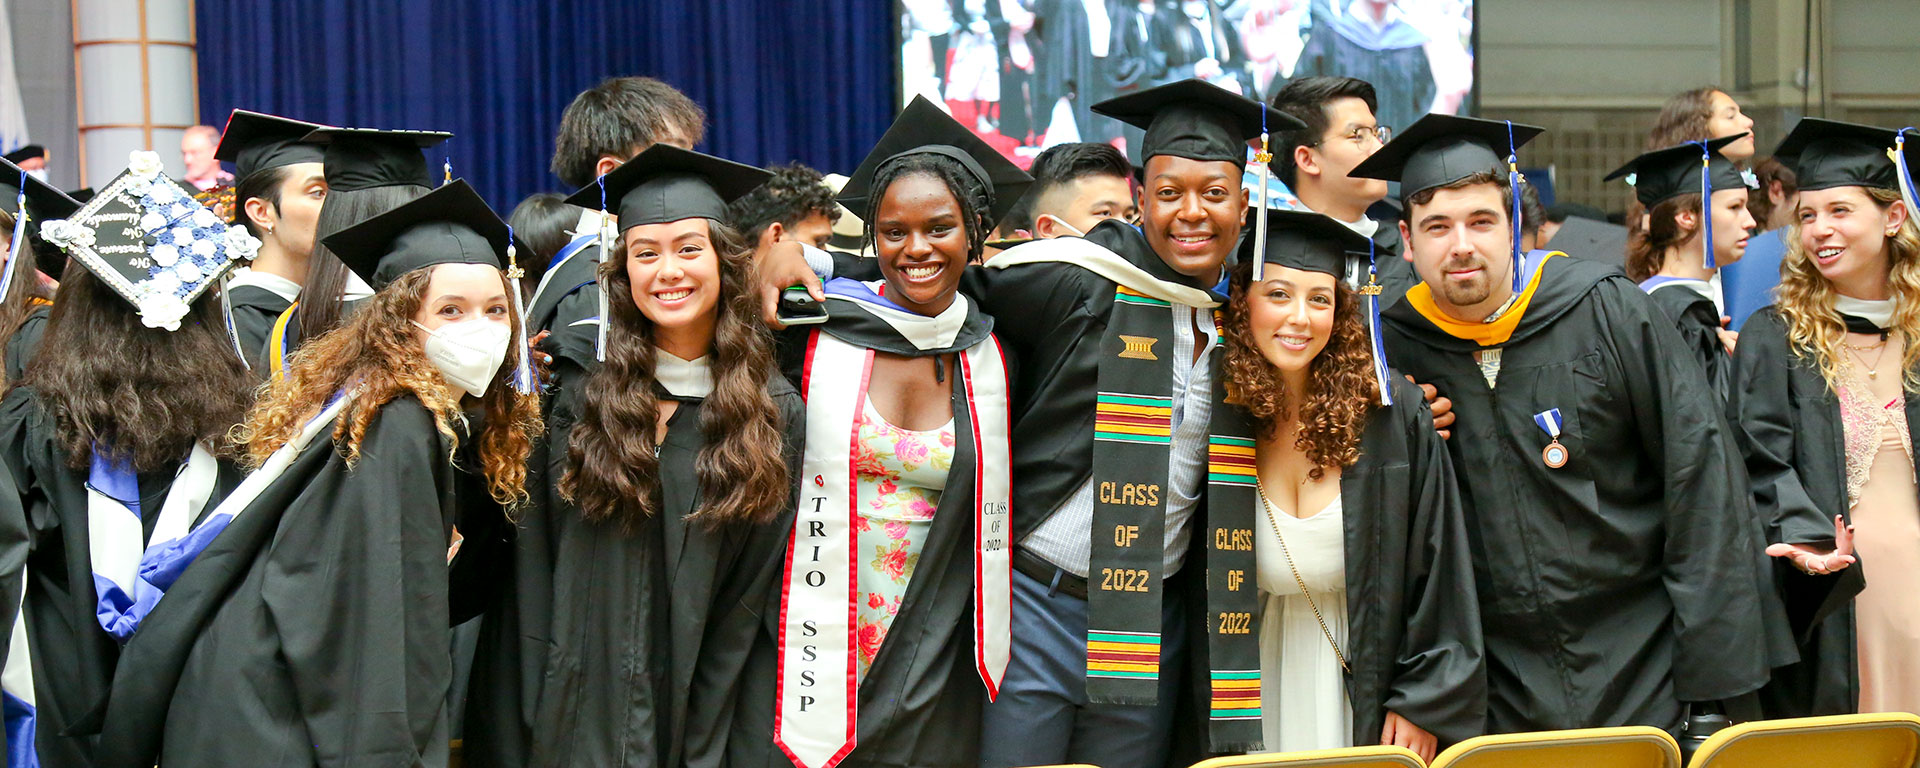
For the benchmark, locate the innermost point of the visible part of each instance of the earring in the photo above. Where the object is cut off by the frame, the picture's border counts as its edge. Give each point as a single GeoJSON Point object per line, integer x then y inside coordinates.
{"type": "Point", "coordinates": [269, 230]}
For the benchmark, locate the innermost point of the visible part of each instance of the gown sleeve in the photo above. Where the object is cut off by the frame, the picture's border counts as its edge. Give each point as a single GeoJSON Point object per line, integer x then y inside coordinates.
{"type": "Point", "coordinates": [1440, 680]}
{"type": "Point", "coordinates": [1712, 549]}
{"type": "Point", "coordinates": [1761, 401]}
{"type": "Point", "coordinates": [358, 598]}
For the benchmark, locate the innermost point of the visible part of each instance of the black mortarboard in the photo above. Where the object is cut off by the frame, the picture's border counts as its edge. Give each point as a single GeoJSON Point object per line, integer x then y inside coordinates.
{"type": "Point", "coordinates": [25, 153]}
{"type": "Point", "coordinates": [1197, 120]}
{"type": "Point", "coordinates": [666, 183]}
{"type": "Point", "coordinates": [1310, 241]}
{"type": "Point", "coordinates": [924, 128]}
{"type": "Point", "coordinates": [364, 158]}
{"type": "Point", "coordinates": [1828, 153]}
{"type": "Point", "coordinates": [81, 195]}
{"type": "Point", "coordinates": [151, 242]}
{"type": "Point", "coordinates": [450, 225]}
{"type": "Point", "coordinates": [44, 202]}
{"type": "Point", "coordinates": [1440, 149]}
{"type": "Point", "coordinates": [255, 141]}
{"type": "Point", "coordinates": [1667, 173]}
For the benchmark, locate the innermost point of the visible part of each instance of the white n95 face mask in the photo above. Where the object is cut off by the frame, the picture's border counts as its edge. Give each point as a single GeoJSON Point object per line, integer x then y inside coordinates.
{"type": "Point", "coordinates": [469, 353]}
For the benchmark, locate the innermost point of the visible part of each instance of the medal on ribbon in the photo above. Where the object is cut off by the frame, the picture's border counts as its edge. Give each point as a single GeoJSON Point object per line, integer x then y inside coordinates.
{"type": "Point", "coordinates": [1554, 455]}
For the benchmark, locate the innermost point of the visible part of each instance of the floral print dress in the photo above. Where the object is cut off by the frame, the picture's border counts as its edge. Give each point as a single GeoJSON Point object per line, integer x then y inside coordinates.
{"type": "Point", "coordinates": [901, 475]}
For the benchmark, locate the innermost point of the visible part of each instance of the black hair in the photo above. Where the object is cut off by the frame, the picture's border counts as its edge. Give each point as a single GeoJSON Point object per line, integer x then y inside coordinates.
{"type": "Point", "coordinates": [263, 184]}
{"type": "Point", "coordinates": [974, 196]}
{"type": "Point", "coordinates": [620, 117]}
{"type": "Point", "coordinates": [26, 293]}
{"type": "Point", "coordinates": [320, 299]}
{"type": "Point", "coordinates": [1532, 212]}
{"type": "Point", "coordinates": [794, 194]}
{"type": "Point", "coordinates": [1307, 99]}
{"type": "Point", "coordinates": [542, 221]}
{"type": "Point", "coordinates": [1063, 164]}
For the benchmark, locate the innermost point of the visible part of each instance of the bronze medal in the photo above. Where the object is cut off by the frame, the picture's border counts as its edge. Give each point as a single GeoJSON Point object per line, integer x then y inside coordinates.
{"type": "Point", "coordinates": [1555, 455]}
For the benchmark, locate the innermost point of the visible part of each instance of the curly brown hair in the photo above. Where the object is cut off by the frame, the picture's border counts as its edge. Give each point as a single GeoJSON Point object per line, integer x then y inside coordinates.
{"type": "Point", "coordinates": [141, 395]}
{"type": "Point", "coordinates": [1343, 393]}
{"type": "Point", "coordinates": [612, 470]}
{"type": "Point", "coordinates": [1805, 299]}
{"type": "Point", "coordinates": [378, 352]}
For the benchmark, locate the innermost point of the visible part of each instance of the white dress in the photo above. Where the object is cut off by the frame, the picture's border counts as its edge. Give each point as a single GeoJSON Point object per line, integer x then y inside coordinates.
{"type": "Point", "coordinates": [1303, 694]}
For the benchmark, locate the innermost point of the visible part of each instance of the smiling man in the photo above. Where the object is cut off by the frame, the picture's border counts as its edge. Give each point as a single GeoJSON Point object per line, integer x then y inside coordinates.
{"type": "Point", "coordinates": [1618, 565]}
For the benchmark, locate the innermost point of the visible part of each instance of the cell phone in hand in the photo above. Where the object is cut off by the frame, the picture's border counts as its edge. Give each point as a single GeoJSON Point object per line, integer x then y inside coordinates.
{"type": "Point", "coordinates": [797, 307]}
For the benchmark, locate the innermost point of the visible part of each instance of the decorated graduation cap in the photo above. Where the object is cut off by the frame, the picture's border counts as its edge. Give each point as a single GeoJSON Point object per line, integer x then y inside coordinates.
{"type": "Point", "coordinates": [1196, 120]}
{"type": "Point", "coordinates": [450, 225]}
{"type": "Point", "coordinates": [365, 158]}
{"type": "Point", "coordinates": [1828, 153]}
{"type": "Point", "coordinates": [1693, 167]}
{"type": "Point", "coordinates": [1440, 149]}
{"type": "Point", "coordinates": [256, 141]}
{"type": "Point", "coordinates": [1315, 242]}
{"type": "Point", "coordinates": [20, 191]}
{"type": "Point", "coordinates": [665, 183]}
{"type": "Point", "coordinates": [151, 242]}
{"type": "Point", "coordinates": [25, 153]}
{"type": "Point", "coordinates": [923, 128]}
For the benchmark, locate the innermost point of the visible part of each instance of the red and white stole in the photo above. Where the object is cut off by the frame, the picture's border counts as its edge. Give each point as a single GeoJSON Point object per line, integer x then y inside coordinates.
{"type": "Point", "coordinates": [818, 686]}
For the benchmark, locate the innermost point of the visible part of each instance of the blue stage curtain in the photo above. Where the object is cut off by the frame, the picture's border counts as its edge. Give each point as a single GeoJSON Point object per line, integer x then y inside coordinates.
{"type": "Point", "coordinates": [781, 80]}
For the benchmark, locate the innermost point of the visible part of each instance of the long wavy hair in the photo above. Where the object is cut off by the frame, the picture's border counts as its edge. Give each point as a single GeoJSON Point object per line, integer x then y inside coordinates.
{"type": "Point", "coordinates": [321, 305]}
{"type": "Point", "coordinates": [1647, 248]}
{"type": "Point", "coordinates": [133, 393]}
{"type": "Point", "coordinates": [613, 473]}
{"type": "Point", "coordinates": [1334, 414]}
{"type": "Point", "coordinates": [1805, 300]}
{"type": "Point", "coordinates": [378, 352]}
{"type": "Point", "coordinates": [26, 293]}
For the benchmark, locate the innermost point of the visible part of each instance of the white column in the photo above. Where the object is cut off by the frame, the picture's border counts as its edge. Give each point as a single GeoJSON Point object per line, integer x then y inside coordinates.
{"type": "Point", "coordinates": [135, 71]}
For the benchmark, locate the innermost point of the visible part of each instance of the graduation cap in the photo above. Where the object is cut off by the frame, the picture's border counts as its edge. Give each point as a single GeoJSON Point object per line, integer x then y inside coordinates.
{"type": "Point", "coordinates": [256, 141]}
{"type": "Point", "coordinates": [1693, 167]}
{"type": "Point", "coordinates": [43, 203]}
{"type": "Point", "coordinates": [923, 128]}
{"type": "Point", "coordinates": [365, 158]}
{"type": "Point", "coordinates": [1197, 120]}
{"type": "Point", "coordinates": [1828, 153]}
{"type": "Point", "coordinates": [1315, 242]}
{"type": "Point", "coordinates": [665, 183]}
{"type": "Point", "coordinates": [25, 153]}
{"type": "Point", "coordinates": [450, 225]}
{"type": "Point", "coordinates": [1440, 149]}
{"type": "Point", "coordinates": [848, 228]}
{"type": "Point", "coordinates": [151, 242]}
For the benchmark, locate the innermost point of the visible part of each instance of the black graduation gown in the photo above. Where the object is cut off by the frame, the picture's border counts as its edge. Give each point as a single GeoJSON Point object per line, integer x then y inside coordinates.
{"type": "Point", "coordinates": [1402, 76]}
{"type": "Point", "coordinates": [314, 629]}
{"type": "Point", "coordinates": [920, 702]}
{"type": "Point", "coordinates": [1181, 44]}
{"type": "Point", "coordinates": [73, 658]}
{"type": "Point", "coordinates": [1064, 67]}
{"type": "Point", "coordinates": [25, 341]}
{"type": "Point", "coordinates": [1796, 455]}
{"type": "Point", "coordinates": [255, 310]}
{"type": "Point", "coordinates": [1626, 582]}
{"type": "Point", "coordinates": [1135, 61]}
{"type": "Point", "coordinates": [1698, 323]}
{"type": "Point", "coordinates": [570, 297]}
{"type": "Point", "coordinates": [1413, 622]}
{"type": "Point", "coordinates": [623, 648]}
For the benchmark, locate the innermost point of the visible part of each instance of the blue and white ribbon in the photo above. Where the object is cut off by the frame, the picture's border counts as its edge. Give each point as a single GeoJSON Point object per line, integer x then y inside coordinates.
{"type": "Point", "coordinates": [1549, 420]}
{"type": "Point", "coordinates": [128, 576]}
{"type": "Point", "coordinates": [1513, 185]}
{"type": "Point", "coordinates": [1372, 292]}
{"type": "Point", "coordinates": [1706, 204]}
{"type": "Point", "coordinates": [1900, 169]}
{"type": "Point", "coordinates": [17, 700]}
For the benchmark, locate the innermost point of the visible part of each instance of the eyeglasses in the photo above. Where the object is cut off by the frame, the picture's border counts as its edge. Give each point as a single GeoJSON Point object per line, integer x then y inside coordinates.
{"type": "Point", "coordinates": [1361, 134]}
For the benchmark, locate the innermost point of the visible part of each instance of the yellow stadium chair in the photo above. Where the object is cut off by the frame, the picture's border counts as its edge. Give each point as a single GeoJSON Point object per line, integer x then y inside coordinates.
{"type": "Point", "coordinates": [1628, 747]}
{"type": "Point", "coordinates": [1890, 740]}
{"type": "Point", "coordinates": [1352, 757]}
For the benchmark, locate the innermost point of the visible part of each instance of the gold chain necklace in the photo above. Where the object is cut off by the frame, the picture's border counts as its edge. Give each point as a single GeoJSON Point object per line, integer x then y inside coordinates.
{"type": "Point", "coordinates": [1873, 370]}
{"type": "Point", "coordinates": [1275, 522]}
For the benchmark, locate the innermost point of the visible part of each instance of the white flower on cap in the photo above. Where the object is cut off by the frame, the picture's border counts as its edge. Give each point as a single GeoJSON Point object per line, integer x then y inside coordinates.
{"type": "Point", "coordinates": [153, 222]}
{"type": "Point", "coordinates": [66, 234]}
{"type": "Point", "coordinates": [204, 218]}
{"type": "Point", "coordinates": [202, 248]}
{"type": "Point", "coordinates": [242, 244]}
{"type": "Point", "coordinates": [162, 310]}
{"type": "Point", "coordinates": [144, 164]}
{"type": "Point", "coordinates": [164, 255]}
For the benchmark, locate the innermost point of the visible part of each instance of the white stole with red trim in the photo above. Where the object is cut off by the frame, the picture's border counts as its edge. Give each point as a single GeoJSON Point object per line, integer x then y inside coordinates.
{"type": "Point", "coordinates": [818, 686]}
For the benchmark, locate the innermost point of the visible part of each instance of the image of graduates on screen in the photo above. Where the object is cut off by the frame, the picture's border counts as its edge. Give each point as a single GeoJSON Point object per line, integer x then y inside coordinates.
{"type": "Point", "coordinates": [1024, 73]}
